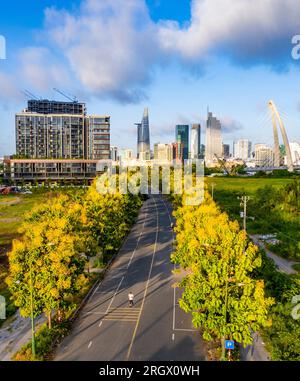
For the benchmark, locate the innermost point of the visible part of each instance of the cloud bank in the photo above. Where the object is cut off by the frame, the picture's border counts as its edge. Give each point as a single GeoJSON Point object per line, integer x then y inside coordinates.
{"type": "Point", "coordinates": [110, 48]}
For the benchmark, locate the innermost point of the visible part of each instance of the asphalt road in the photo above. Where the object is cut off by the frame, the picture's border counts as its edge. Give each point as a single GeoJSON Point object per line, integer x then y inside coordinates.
{"type": "Point", "coordinates": [154, 328]}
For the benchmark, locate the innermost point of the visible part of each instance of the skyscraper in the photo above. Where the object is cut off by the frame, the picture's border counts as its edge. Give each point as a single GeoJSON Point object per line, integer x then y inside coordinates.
{"type": "Point", "coordinates": [195, 141]}
{"type": "Point", "coordinates": [242, 149]}
{"type": "Point", "coordinates": [143, 137]}
{"type": "Point", "coordinates": [163, 152]}
{"type": "Point", "coordinates": [182, 137]}
{"type": "Point", "coordinates": [213, 139]}
{"type": "Point", "coordinates": [226, 151]}
{"type": "Point", "coordinates": [264, 155]}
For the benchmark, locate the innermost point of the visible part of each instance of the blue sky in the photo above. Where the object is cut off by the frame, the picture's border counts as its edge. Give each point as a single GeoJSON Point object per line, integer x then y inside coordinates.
{"type": "Point", "coordinates": [176, 57]}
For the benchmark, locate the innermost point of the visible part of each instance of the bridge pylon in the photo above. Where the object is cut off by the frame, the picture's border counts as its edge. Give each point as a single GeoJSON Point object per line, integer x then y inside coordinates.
{"type": "Point", "coordinates": [276, 118]}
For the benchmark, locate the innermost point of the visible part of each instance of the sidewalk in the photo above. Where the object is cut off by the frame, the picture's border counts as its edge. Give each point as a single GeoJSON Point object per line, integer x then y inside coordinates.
{"type": "Point", "coordinates": [256, 351]}
{"type": "Point", "coordinates": [15, 334]}
{"type": "Point", "coordinates": [284, 265]}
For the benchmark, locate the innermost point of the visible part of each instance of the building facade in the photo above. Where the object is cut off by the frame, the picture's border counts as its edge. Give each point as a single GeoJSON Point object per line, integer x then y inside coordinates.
{"type": "Point", "coordinates": [195, 141]}
{"type": "Point", "coordinates": [163, 152]}
{"type": "Point", "coordinates": [114, 153]}
{"type": "Point", "coordinates": [98, 137]}
{"type": "Point", "coordinates": [242, 149]}
{"type": "Point", "coordinates": [143, 137]}
{"type": "Point", "coordinates": [182, 138]}
{"type": "Point", "coordinates": [50, 170]}
{"type": "Point", "coordinates": [213, 140]}
{"type": "Point", "coordinates": [226, 151]}
{"type": "Point", "coordinates": [61, 130]}
{"type": "Point", "coordinates": [295, 152]}
{"type": "Point", "coordinates": [264, 155]}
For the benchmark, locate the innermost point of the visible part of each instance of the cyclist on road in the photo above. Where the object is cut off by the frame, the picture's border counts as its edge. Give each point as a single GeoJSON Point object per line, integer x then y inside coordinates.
{"type": "Point", "coordinates": [130, 298]}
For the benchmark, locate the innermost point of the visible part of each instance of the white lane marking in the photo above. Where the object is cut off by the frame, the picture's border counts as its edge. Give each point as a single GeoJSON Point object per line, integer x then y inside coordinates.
{"type": "Point", "coordinates": [112, 299]}
{"type": "Point", "coordinates": [90, 344]}
{"type": "Point", "coordinates": [174, 267]}
{"type": "Point", "coordinates": [173, 336]}
{"type": "Point", "coordinates": [185, 330]}
{"type": "Point", "coordinates": [147, 284]}
{"type": "Point", "coordinates": [100, 323]}
{"type": "Point", "coordinates": [126, 239]}
{"type": "Point", "coordinates": [138, 240]}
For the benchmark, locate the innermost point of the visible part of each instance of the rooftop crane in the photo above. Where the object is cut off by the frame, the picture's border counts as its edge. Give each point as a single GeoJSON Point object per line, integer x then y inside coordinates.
{"type": "Point", "coordinates": [73, 99]}
{"type": "Point", "coordinates": [30, 95]}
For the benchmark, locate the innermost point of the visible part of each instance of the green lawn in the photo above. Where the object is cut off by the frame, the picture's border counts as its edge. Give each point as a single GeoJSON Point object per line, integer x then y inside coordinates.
{"type": "Point", "coordinates": [11, 215]}
{"type": "Point", "coordinates": [247, 184]}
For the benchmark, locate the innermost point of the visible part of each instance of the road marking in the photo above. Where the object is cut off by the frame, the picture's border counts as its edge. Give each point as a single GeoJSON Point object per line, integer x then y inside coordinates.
{"type": "Point", "coordinates": [114, 294]}
{"type": "Point", "coordinates": [126, 239]}
{"type": "Point", "coordinates": [173, 336]}
{"type": "Point", "coordinates": [174, 268]}
{"type": "Point", "coordinates": [185, 330]}
{"type": "Point", "coordinates": [146, 288]}
{"type": "Point", "coordinates": [100, 323]}
{"type": "Point", "coordinates": [138, 240]}
{"type": "Point", "coordinates": [89, 346]}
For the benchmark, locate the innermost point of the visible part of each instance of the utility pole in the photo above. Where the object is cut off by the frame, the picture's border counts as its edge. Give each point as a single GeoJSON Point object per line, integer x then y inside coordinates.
{"type": "Point", "coordinates": [244, 201]}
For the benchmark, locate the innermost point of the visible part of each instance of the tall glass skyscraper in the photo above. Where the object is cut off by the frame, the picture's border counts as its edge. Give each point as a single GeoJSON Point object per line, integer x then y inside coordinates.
{"type": "Point", "coordinates": [182, 137]}
{"type": "Point", "coordinates": [143, 137]}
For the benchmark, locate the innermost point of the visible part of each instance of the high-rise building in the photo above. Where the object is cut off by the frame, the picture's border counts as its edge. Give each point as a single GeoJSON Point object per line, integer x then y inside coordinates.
{"type": "Point", "coordinates": [61, 130]}
{"type": "Point", "coordinates": [114, 153]}
{"type": "Point", "coordinates": [242, 149]}
{"type": "Point", "coordinates": [163, 152]}
{"type": "Point", "coordinates": [213, 139]}
{"type": "Point", "coordinates": [126, 154]}
{"type": "Point", "coordinates": [264, 155]}
{"type": "Point", "coordinates": [226, 150]}
{"type": "Point", "coordinates": [143, 137]}
{"type": "Point", "coordinates": [195, 141]}
{"type": "Point", "coordinates": [98, 137]}
{"type": "Point", "coordinates": [177, 151]}
{"type": "Point", "coordinates": [295, 152]}
{"type": "Point", "coordinates": [182, 138]}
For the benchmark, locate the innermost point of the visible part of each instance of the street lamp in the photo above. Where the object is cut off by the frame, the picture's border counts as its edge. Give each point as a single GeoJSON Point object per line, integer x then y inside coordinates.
{"type": "Point", "coordinates": [225, 315]}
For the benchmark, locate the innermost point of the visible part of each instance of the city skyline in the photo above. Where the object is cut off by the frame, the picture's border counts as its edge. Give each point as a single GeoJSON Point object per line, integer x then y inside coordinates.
{"type": "Point", "coordinates": [238, 84]}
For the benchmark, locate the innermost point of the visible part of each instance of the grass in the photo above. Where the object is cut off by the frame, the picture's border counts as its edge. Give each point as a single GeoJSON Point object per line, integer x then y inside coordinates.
{"type": "Point", "coordinates": [244, 184]}
{"type": "Point", "coordinates": [284, 224]}
{"type": "Point", "coordinates": [11, 215]}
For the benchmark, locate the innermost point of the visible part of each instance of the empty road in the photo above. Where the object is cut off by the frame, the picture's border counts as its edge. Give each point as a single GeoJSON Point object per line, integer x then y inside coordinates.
{"type": "Point", "coordinates": [154, 328]}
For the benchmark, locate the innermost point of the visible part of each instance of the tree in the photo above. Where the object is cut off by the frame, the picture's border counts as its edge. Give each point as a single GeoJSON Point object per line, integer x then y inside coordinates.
{"type": "Point", "coordinates": [219, 292]}
{"type": "Point", "coordinates": [52, 244]}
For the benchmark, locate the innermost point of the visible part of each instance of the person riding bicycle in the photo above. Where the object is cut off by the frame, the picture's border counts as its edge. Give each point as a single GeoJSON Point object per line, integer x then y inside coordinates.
{"type": "Point", "coordinates": [130, 298]}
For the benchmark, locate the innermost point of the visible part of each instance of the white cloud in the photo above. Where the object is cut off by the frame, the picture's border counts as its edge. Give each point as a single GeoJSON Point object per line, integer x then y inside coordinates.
{"type": "Point", "coordinates": [110, 45]}
{"type": "Point", "coordinates": [41, 70]}
{"type": "Point", "coordinates": [249, 31]}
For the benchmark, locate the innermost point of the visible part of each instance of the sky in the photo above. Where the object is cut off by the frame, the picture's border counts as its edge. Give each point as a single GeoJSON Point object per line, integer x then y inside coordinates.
{"type": "Point", "coordinates": [178, 58]}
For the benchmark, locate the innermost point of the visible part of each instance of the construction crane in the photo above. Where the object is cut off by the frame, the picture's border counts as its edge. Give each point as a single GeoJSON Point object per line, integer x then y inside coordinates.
{"type": "Point", "coordinates": [73, 99]}
{"type": "Point", "coordinates": [30, 95]}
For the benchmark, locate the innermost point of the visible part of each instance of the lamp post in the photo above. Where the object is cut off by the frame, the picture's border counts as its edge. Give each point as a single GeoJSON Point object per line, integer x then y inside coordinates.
{"type": "Point", "coordinates": [223, 357]}
{"type": "Point", "coordinates": [31, 311]}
